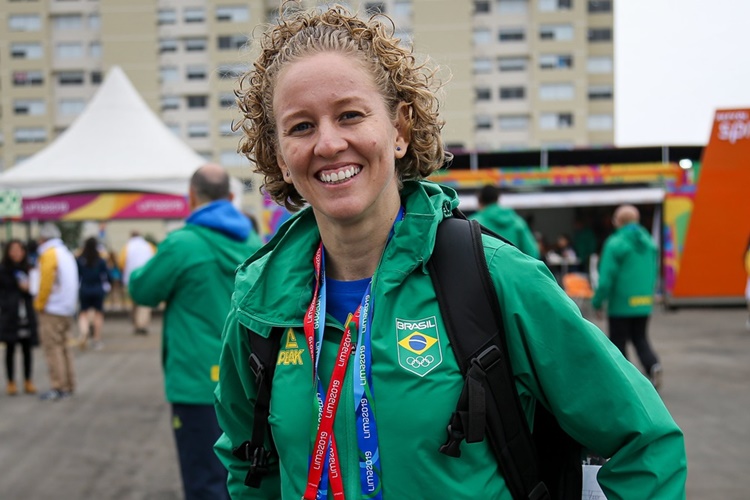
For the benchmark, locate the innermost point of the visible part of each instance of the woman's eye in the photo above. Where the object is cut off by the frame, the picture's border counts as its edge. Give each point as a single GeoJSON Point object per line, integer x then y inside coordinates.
{"type": "Point", "coordinates": [350, 115]}
{"type": "Point", "coordinates": [300, 127]}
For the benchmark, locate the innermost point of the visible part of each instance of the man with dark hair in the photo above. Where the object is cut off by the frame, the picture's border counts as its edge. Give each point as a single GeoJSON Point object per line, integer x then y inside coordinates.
{"type": "Point", "coordinates": [627, 277]}
{"type": "Point", "coordinates": [193, 272]}
{"type": "Point", "coordinates": [504, 221]}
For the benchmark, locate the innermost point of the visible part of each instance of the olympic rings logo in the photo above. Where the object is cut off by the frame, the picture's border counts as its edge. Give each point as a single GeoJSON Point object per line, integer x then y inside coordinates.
{"type": "Point", "coordinates": [420, 361]}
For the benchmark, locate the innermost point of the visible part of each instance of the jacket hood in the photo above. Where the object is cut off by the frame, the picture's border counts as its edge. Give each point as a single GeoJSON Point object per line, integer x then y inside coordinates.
{"type": "Point", "coordinates": [275, 285]}
{"type": "Point", "coordinates": [637, 236]}
{"type": "Point", "coordinates": [223, 217]}
{"type": "Point", "coordinates": [503, 215]}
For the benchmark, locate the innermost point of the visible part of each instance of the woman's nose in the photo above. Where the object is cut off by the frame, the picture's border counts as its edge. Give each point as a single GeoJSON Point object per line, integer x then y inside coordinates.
{"type": "Point", "coordinates": [330, 141]}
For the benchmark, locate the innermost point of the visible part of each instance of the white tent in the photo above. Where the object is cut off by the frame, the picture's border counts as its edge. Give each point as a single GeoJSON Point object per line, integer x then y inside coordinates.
{"type": "Point", "coordinates": [116, 144]}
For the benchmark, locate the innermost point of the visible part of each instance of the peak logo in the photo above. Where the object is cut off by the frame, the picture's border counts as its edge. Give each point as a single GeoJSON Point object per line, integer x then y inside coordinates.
{"type": "Point", "coordinates": [290, 354]}
{"type": "Point", "coordinates": [418, 344]}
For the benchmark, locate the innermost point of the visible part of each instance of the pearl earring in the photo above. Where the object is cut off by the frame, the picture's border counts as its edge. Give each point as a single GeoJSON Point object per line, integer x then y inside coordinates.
{"type": "Point", "coordinates": [398, 148]}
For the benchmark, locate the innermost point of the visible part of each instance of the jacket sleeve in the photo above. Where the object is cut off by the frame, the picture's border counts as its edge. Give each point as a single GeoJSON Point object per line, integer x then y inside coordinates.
{"type": "Point", "coordinates": [607, 273]}
{"type": "Point", "coordinates": [234, 403]}
{"type": "Point", "coordinates": [597, 396]}
{"type": "Point", "coordinates": [155, 281]}
{"type": "Point", "coordinates": [47, 270]}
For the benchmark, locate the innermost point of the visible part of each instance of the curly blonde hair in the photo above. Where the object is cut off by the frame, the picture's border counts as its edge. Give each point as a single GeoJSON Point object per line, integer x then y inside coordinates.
{"type": "Point", "coordinates": [396, 73]}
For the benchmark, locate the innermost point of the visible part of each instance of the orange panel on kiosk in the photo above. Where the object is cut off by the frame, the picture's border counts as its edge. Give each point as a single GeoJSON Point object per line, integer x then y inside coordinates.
{"type": "Point", "coordinates": [712, 260]}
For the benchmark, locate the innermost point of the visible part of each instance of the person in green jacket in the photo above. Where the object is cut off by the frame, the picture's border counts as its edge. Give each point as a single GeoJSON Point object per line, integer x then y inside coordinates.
{"type": "Point", "coordinates": [338, 116]}
{"type": "Point", "coordinates": [193, 272]}
{"type": "Point", "coordinates": [627, 278]}
{"type": "Point", "coordinates": [504, 221]}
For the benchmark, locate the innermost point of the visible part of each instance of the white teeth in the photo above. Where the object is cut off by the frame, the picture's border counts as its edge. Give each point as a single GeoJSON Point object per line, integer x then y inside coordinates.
{"type": "Point", "coordinates": [347, 173]}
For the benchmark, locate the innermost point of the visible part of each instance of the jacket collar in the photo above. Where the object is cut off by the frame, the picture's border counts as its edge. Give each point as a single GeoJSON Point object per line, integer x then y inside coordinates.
{"type": "Point", "coordinates": [274, 287]}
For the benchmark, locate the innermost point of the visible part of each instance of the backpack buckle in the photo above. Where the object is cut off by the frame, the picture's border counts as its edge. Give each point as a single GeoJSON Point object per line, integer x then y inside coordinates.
{"type": "Point", "coordinates": [452, 445]}
{"type": "Point", "coordinates": [256, 366]}
{"type": "Point", "coordinates": [258, 457]}
{"type": "Point", "coordinates": [488, 358]}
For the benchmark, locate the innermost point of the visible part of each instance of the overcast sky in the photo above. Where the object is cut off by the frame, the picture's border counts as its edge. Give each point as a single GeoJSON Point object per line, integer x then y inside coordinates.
{"type": "Point", "coordinates": [676, 61]}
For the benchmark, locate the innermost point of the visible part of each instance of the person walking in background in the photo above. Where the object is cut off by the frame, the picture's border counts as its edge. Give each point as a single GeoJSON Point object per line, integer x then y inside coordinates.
{"type": "Point", "coordinates": [193, 272]}
{"type": "Point", "coordinates": [342, 123]}
{"type": "Point", "coordinates": [627, 278]}
{"type": "Point", "coordinates": [95, 283]}
{"type": "Point", "coordinates": [55, 284]}
{"type": "Point", "coordinates": [136, 252]}
{"type": "Point", "coordinates": [504, 221]}
{"type": "Point", "coordinates": [116, 296]}
{"type": "Point", "coordinates": [17, 317]}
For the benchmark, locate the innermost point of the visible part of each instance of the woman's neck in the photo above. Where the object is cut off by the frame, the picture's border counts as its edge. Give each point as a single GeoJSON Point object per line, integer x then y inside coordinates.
{"type": "Point", "coordinates": [353, 251]}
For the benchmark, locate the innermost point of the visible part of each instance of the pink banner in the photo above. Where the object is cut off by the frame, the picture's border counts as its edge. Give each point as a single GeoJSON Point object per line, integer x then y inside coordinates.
{"type": "Point", "coordinates": [106, 206]}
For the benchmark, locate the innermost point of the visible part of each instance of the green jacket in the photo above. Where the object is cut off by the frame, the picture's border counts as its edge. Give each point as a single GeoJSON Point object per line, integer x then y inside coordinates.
{"type": "Point", "coordinates": [511, 226]}
{"type": "Point", "coordinates": [558, 358]}
{"type": "Point", "coordinates": [627, 272]}
{"type": "Point", "coordinates": [193, 272]}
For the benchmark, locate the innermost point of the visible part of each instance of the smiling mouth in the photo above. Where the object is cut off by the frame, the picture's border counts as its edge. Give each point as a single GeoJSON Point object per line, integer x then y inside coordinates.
{"type": "Point", "coordinates": [340, 176]}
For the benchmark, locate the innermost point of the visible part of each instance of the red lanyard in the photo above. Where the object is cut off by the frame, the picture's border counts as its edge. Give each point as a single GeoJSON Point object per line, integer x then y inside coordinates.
{"type": "Point", "coordinates": [330, 403]}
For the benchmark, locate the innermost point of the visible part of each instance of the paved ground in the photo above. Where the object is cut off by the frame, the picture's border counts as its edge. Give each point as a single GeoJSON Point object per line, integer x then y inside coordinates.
{"type": "Point", "coordinates": [112, 440]}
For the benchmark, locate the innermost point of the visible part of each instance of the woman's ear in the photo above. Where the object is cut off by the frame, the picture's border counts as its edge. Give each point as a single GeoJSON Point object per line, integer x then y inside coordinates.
{"type": "Point", "coordinates": [284, 169]}
{"type": "Point", "coordinates": [402, 124]}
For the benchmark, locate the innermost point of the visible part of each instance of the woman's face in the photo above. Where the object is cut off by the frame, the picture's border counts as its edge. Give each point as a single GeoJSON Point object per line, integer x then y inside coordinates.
{"type": "Point", "coordinates": [16, 253]}
{"type": "Point", "coordinates": [337, 139]}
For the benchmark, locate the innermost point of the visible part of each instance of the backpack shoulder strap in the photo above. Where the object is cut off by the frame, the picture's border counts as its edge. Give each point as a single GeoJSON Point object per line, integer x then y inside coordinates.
{"type": "Point", "coordinates": [262, 360]}
{"type": "Point", "coordinates": [473, 320]}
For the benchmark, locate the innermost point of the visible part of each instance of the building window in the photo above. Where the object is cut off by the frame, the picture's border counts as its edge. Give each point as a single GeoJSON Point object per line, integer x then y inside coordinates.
{"type": "Point", "coordinates": [197, 129]}
{"type": "Point", "coordinates": [507, 64]}
{"type": "Point", "coordinates": [482, 36]}
{"type": "Point", "coordinates": [69, 50]}
{"type": "Point", "coordinates": [231, 42]}
{"type": "Point", "coordinates": [166, 16]}
{"type": "Point", "coordinates": [372, 8]}
{"type": "Point", "coordinates": [553, 5]}
{"type": "Point", "coordinates": [70, 107]}
{"type": "Point", "coordinates": [27, 78]}
{"type": "Point", "coordinates": [597, 6]}
{"type": "Point", "coordinates": [24, 22]}
{"type": "Point", "coordinates": [231, 71]}
{"type": "Point", "coordinates": [194, 15]}
{"type": "Point", "coordinates": [195, 44]}
{"type": "Point", "coordinates": [512, 6]}
{"type": "Point", "coordinates": [600, 93]}
{"type": "Point", "coordinates": [482, 7]}
{"type": "Point", "coordinates": [70, 78]}
{"type": "Point", "coordinates": [68, 22]}
{"type": "Point", "coordinates": [226, 100]}
{"type": "Point", "coordinates": [32, 107]}
{"type": "Point", "coordinates": [555, 61]}
{"type": "Point", "coordinates": [26, 50]}
{"type": "Point", "coordinates": [513, 122]}
{"type": "Point", "coordinates": [96, 77]}
{"type": "Point", "coordinates": [482, 65]}
{"type": "Point", "coordinates": [30, 134]}
{"type": "Point", "coordinates": [512, 93]}
{"type": "Point", "coordinates": [511, 35]}
{"type": "Point", "coordinates": [95, 50]}
{"type": "Point", "coordinates": [232, 13]}
{"type": "Point", "coordinates": [483, 94]}
{"type": "Point", "coordinates": [600, 122]}
{"type": "Point", "coordinates": [231, 158]}
{"type": "Point", "coordinates": [553, 121]}
{"type": "Point", "coordinates": [600, 35]}
{"type": "Point", "coordinates": [483, 122]}
{"type": "Point", "coordinates": [599, 64]}
{"type": "Point", "coordinates": [95, 21]}
{"type": "Point", "coordinates": [170, 102]}
{"type": "Point", "coordinates": [196, 72]}
{"type": "Point", "coordinates": [402, 9]}
{"type": "Point", "coordinates": [197, 101]}
{"type": "Point", "coordinates": [167, 45]}
{"type": "Point", "coordinates": [556, 32]}
{"type": "Point", "coordinates": [556, 91]}
{"type": "Point", "coordinates": [168, 74]}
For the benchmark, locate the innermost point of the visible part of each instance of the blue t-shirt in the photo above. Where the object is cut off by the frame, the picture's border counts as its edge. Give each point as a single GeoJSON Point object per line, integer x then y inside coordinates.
{"type": "Point", "coordinates": [343, 297]}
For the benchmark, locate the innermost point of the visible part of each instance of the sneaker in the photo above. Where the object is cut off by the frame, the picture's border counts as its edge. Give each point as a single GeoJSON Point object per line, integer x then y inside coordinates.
{"type": "Point", "coordinates": [29, 387]}
{"type": "Point", "coordinates": [51, 395]}
{"type": "Point", "coordinates": [655, 375]}
{"type": "Point", "coordinates": [11, 389]}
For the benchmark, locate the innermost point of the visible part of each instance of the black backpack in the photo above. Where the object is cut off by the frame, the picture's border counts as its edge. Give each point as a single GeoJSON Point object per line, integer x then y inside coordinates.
{"type": "Point", "coordinates": [544, 465]}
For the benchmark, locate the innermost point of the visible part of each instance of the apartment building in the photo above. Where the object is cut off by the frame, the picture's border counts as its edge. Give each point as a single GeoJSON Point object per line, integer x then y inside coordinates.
{"type": "Point", "coordinates": [519, 73]}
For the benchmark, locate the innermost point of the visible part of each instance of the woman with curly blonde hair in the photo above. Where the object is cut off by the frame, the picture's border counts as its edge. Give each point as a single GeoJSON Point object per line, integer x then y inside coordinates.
{"type": "Point", "coordinates": [338, 116]}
